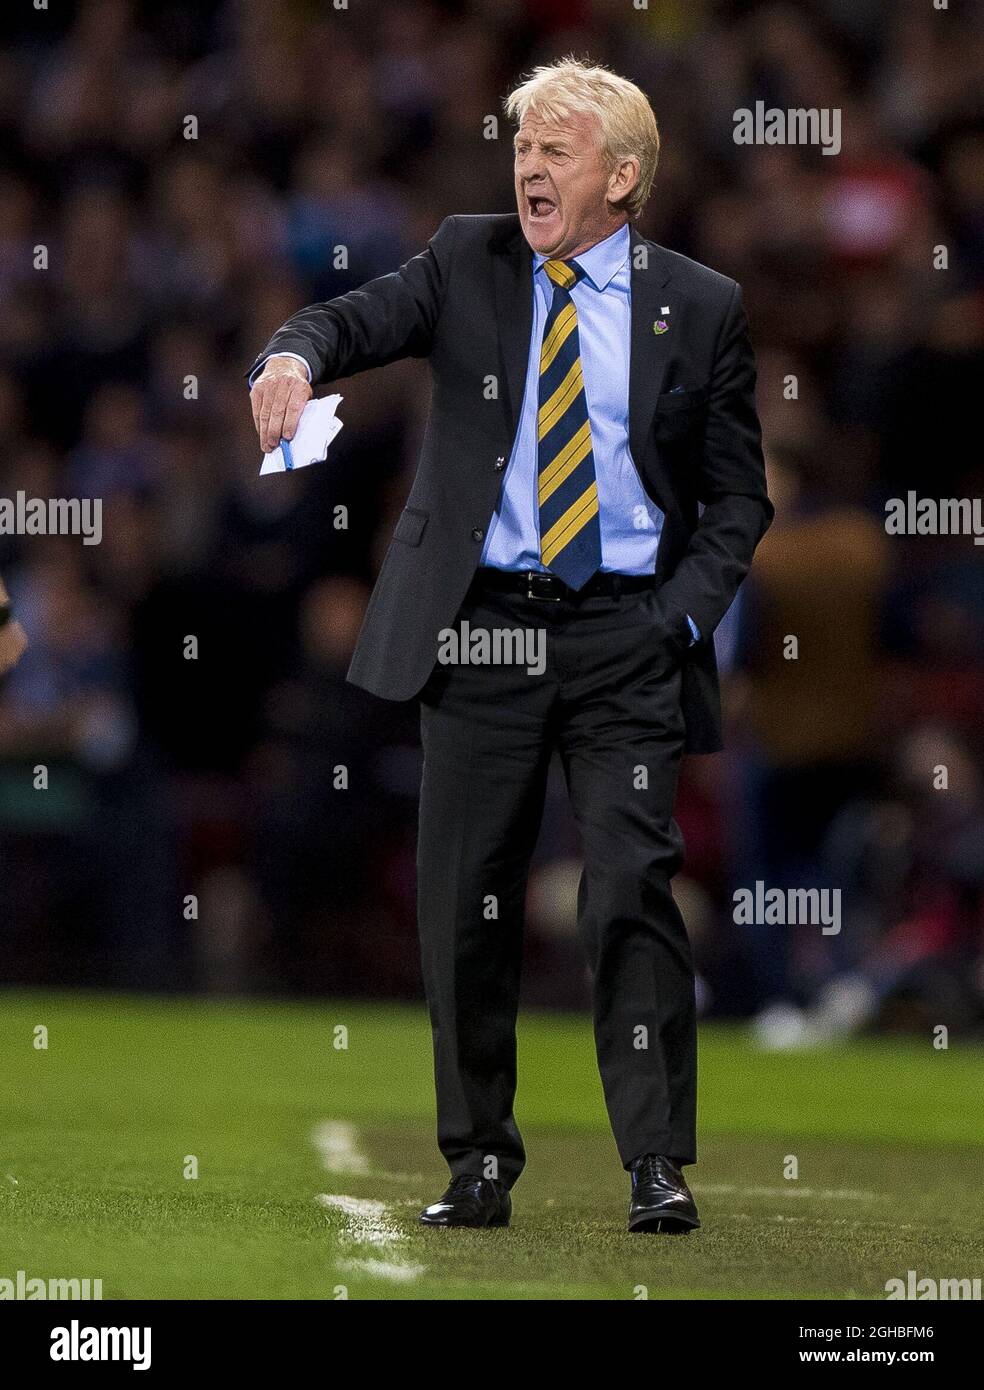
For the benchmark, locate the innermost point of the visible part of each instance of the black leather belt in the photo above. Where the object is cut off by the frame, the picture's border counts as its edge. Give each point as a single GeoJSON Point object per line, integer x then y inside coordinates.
{"type": "Point", "coordinates": [549, 589]}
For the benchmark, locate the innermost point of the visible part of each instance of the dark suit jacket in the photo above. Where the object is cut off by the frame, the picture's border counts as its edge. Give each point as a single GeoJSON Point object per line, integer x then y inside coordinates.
{"type": "Point", "coordinates": [466, 303]}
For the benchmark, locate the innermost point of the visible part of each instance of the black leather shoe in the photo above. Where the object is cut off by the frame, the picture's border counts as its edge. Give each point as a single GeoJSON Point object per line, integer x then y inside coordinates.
{"type": "Point", "coordinates": [470, 1201]}
{"type": "Point", "coordinates": [661, 1200]}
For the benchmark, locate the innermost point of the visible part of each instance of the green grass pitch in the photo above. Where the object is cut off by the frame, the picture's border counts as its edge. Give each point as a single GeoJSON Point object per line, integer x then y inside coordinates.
{"type": "Point", "coordinates": [313, 1161]}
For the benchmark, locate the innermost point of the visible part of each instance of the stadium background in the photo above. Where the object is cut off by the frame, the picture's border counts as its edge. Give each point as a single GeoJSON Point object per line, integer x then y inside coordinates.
{"type": "Point", "coordinates": [363, 128]}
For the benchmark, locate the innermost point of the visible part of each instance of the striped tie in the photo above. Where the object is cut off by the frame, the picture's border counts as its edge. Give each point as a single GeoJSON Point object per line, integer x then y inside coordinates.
{"type": "Point", "coordinates": [570, 534]}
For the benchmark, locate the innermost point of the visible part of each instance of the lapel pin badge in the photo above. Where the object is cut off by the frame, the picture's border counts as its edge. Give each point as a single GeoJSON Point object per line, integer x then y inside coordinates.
{"type": "Point", "coordinates": [660, 326]}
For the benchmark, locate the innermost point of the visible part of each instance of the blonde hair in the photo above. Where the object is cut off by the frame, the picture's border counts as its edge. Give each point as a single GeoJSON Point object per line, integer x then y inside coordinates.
{"type": "Point", "coordinates": [628, 126]}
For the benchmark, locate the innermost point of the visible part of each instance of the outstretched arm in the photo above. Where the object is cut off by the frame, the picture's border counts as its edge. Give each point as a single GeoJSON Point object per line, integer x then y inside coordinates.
{"type": "Point", "coordinates": [384, 320]}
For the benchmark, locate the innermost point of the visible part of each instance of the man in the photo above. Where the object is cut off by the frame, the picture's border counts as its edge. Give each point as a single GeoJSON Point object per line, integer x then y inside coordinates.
{"type": "Point", "coordinates": [13, 642]}
{"type": "Point", "coordinates": [591, 389]}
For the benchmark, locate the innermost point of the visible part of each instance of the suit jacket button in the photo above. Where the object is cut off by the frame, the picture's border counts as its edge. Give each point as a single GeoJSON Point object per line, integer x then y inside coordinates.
{"type": "Point", "coordinates": [478, 534]}
{"type": "Point", "coordinates": [500, 463]}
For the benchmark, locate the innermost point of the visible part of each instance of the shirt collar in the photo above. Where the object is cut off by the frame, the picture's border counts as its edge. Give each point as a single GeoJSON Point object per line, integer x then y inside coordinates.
{"type": "Point", "coordinates": [601, 262]}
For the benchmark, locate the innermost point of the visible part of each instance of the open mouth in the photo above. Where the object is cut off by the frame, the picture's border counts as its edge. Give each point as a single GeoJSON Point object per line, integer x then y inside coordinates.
{"type": "Point", "coordinates": [540, 208]}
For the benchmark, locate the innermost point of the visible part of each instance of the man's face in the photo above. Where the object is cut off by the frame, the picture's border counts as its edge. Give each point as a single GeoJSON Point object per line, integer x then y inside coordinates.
{"type": "Point", "coordinates": [562, 185]}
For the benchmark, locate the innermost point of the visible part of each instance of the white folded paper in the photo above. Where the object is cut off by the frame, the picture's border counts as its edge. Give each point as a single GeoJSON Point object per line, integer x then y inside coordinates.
{"type": "Point", "coordinates": [316, 429]}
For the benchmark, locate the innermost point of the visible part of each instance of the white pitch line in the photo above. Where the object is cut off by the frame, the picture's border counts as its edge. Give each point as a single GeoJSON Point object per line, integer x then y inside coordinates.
{"type": "Point", "coordinates": [366, 1225]}
{"type": "Point", "coordinates": [844, 1194]}
{"type": "Point", "coordinates": [366, 1222]}
{"type": "Point", "coordinates": [337, 1143]}
{"type": "Point", "coordinates": [382, 1269]}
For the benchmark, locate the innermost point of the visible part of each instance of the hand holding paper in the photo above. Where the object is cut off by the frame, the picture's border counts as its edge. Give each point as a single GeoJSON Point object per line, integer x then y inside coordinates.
{"type": "Point", "coordinates": [316, 429]}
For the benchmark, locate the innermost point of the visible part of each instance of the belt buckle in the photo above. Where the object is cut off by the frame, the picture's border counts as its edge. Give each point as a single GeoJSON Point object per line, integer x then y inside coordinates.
{"type": "Point", "coordinates": [531, 577]}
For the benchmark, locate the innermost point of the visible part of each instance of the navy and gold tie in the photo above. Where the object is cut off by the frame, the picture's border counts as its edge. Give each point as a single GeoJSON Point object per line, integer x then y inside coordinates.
{"type": "Point", "coordinates": [570, 533]}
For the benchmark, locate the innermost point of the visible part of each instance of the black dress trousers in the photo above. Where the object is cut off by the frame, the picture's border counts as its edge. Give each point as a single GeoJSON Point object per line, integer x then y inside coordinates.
{"type": "Point", "coordinates": [608, 699]}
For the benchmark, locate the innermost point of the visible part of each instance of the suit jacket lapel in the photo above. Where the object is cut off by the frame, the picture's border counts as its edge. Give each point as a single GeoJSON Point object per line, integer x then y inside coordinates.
{"type": "Point", "coordinates": [649, 351]}
{"type": "Point", "coordinates": [513, 271]}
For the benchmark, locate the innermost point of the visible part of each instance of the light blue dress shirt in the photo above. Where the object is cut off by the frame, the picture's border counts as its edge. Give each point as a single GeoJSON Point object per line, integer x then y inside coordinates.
{"type": "Point", "coordinates": [630, 521]}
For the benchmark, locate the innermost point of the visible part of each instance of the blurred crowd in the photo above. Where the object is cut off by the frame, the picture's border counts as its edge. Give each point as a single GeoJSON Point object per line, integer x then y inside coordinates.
{"type": "Point", "coordinates": [221, 810]}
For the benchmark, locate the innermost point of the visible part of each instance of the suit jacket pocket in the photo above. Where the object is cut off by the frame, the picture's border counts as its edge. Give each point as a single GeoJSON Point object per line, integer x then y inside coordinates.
{"type": "Point", "coordinates": [679, 413]}
{"type": "Point", "coordinates": [410, 527]}
{"type": "Point", "coordinates": [684, 400]}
